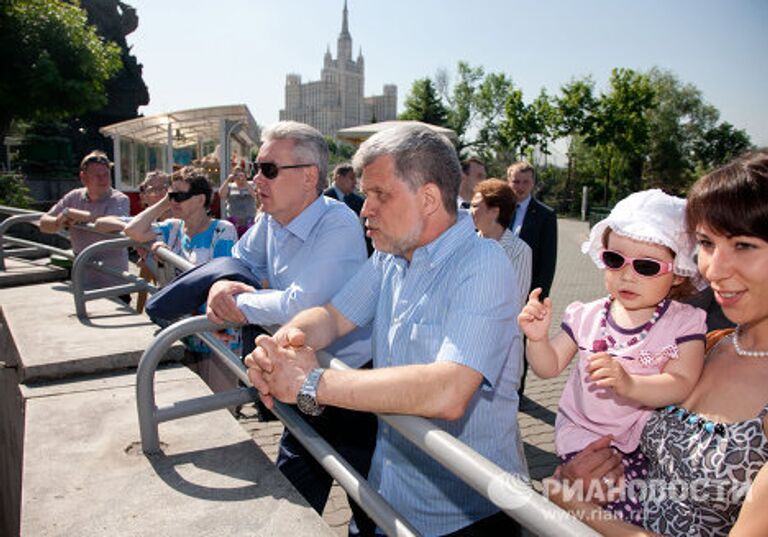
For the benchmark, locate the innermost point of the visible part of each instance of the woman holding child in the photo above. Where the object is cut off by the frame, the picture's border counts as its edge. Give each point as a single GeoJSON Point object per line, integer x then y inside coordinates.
{"type": "Point", "coordinates": [714, 441]}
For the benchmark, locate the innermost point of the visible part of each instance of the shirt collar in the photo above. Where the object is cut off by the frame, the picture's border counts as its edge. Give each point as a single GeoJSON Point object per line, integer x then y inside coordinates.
{"type": "Point", "coordinates": [523, 205]}
{"type": "Point", "coordinates": [339, 193]}
{"type": "Point", "coordinates": [446, 244]}
{"type": "Point", "coordinates": [302, 225]}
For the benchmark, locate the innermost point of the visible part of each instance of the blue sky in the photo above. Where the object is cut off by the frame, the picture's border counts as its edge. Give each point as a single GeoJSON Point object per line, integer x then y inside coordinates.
{"type": "Point", "coordinates": [199, 53]}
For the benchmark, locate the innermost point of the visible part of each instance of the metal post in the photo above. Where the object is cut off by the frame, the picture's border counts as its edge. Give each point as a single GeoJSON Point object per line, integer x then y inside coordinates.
{"type": "Point", "coordinates": [223, 151]}
{"type": "Point", "coordinates": [169, 149]}
{"type": "Point", "coordinates": [118, 165]}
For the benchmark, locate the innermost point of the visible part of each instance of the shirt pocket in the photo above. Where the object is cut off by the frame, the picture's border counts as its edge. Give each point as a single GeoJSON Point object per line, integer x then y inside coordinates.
{"type": "Point", "coordinates": [424, 342]}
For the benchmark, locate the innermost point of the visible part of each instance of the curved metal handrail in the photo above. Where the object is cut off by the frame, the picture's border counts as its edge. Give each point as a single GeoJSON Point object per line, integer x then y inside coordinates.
{"type": "Point", "coordinates": [83, 261]}
{"type": "Point", "coordinates": [150, 416]}
{"type": "Point", "coordinates": [7, 209]}
{"type": "Point", "coordinates": [8, 223]}
{"type": "Point", "coordinates": [509, 492]}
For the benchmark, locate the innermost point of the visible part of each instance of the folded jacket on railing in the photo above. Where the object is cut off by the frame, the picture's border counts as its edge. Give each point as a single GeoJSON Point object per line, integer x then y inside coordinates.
{"type": "Point", "coordinates": [188, 291]}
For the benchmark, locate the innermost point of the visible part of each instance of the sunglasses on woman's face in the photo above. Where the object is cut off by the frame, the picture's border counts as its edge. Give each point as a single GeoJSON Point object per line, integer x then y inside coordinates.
{"type": "Point", "coordinates": [646, 267]}
{"type": "Point", "coordinates": [270, 170]}
{"type": "Point", "coordinates": [178, 197]}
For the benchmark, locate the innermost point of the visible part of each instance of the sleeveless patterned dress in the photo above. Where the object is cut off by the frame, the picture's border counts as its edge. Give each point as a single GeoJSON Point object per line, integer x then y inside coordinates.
{"type": "Point", "coordinates": [703, 471]}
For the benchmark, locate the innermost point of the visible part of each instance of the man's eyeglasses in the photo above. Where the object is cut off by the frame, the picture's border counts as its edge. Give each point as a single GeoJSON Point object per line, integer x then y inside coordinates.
{"type": "Point", "coordinates": [270, 170]}
{"type": "Point", "coordinates": [646, 267]}
{"type": "Point", "coordinates": [178, 197]}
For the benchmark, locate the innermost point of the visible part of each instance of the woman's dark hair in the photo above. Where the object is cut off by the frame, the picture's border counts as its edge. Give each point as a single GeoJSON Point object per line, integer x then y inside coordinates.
{"type": "Point", "coordinates": [498, 193]}
{"type": "Point", "coordinates": [197, 180]}
{"type": "Point", "coordinates": [732, 200]}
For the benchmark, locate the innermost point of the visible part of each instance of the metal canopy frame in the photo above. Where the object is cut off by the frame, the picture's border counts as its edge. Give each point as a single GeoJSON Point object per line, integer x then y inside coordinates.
{"type": "Point", "coordinates": [186, 128]}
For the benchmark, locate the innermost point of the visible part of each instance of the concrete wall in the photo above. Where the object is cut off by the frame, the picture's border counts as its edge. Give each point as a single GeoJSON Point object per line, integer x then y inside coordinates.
{"type": "Point", "coordinates": [71, 461]}
{"type": "Point", "coordinates": [11, 446]}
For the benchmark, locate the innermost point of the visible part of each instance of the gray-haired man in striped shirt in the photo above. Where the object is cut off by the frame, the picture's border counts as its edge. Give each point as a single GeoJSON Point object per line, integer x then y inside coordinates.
{"type": "Point", "coordinates": [445, 345]}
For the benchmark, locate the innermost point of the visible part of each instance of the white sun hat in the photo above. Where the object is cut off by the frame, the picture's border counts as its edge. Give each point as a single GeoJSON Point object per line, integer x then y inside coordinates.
{"type": "Point", "coordinates": [649, 216]}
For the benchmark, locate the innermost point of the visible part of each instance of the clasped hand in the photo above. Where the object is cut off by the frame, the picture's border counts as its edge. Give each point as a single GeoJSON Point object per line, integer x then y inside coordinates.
{"type": "Point", "coordinates": [279, 365]}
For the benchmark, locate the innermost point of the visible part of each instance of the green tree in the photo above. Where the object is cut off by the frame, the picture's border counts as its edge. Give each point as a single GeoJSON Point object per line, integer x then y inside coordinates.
{"type": "Point", "coordinates": [55, 66]}
{"type": "Point", "coordinates": [542, 122]}
{"type": "Point", "coordinates": [574, 116]}
{"type": "Point", "coordinates": [490, 102]}
{"type": "Point", "coordinates": [526, 126]}
{"type": "Point", "coordinates": [423, 104]}
{"type": "Point", "coordinates": [460, 100]}
{"type": "Point", "coordinates": [511, 132]}
{"type": "Point", "coordinates": [621, 131]}
{"type": "Point", "coordinates": [14, 192]}
{"type": "Point", "coordinates": [677, 122]}
{"type": "Point", "coordinates": [339, 152]}
{"type": "Point", "coordinates": [719, 145]}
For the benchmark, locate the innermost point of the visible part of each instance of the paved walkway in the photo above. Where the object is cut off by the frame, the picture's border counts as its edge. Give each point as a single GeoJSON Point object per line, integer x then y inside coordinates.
{"type": "Point", "coordinates": [576, 278]}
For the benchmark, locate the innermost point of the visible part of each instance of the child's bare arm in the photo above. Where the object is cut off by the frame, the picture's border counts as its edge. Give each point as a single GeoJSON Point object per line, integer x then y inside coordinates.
{"type": "Point", "coordinates": [547, 357]}
{"type": "Point", "coordinates": [671, 386]}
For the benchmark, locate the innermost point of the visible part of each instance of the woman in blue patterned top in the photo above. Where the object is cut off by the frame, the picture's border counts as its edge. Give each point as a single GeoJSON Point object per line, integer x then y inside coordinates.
{"type": "Point", "coordinates": [190, 232]}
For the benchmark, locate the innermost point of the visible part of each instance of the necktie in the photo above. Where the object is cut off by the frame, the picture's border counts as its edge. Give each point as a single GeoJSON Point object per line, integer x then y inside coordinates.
{"type": "Point", "coordinates": [514, 227]}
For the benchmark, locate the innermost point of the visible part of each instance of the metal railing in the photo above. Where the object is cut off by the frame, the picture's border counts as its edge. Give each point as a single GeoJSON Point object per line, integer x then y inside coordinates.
{"type": "Point", "coordinates": [134, 283]}
{"type": "Point", "coordinates": [30, 248]}
{"type": "Point", "coordinates": [150, 416]}
{"type": "Point", "coordinates": [83, 262]}
{"type": "Point", "coordinates": [509, 492]}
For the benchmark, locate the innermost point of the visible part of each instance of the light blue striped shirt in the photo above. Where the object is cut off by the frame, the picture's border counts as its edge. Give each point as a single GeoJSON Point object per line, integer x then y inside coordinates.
{"type": "Point", "coordinates": [305, 263]}
{"type": "Point", "coordinates": [455, 301]}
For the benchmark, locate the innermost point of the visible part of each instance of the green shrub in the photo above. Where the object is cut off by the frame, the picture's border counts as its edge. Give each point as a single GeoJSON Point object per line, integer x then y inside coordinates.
{"type": "Point", "coordinates": [14, 191]}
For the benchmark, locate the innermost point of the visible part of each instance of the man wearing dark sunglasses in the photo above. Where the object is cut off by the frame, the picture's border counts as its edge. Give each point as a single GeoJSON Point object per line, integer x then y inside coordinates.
{"type": "Point", "coordinates": [84, 205]}
{"type": "Point", "coordinates": [303, 247]}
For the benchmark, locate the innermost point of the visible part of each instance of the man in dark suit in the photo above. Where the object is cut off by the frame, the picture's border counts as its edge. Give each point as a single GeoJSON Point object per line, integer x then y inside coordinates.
{"type": "Point", "coordinates": [343, 188]}
{"type": "Point", "coordinates": [536, 224]}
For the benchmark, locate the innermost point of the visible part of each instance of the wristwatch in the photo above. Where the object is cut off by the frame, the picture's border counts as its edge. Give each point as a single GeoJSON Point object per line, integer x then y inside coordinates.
{"type": "Point", "coordinates": [306, 399]}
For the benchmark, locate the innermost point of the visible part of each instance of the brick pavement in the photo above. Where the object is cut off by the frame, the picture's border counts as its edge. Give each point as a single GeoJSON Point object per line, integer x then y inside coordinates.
{"type": "Point", "coordinates": [576, 278]}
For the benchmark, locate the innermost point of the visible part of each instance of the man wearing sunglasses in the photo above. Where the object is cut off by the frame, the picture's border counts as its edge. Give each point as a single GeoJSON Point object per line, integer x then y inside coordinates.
{"type": "Point", "coordinates": [446, 345]}
{"type": "Point", "coordinates": [84, 205]}
{"type": "Point", "coordinates": [303, 246]}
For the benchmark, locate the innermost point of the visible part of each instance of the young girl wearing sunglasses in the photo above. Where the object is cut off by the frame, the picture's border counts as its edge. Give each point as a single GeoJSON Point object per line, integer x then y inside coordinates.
{"type": "Point", "coordinates": [638, 348]}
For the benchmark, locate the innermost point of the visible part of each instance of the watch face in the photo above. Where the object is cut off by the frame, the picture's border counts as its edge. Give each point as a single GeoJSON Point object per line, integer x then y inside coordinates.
{"type": "Point", "coordinates": [308, 405]}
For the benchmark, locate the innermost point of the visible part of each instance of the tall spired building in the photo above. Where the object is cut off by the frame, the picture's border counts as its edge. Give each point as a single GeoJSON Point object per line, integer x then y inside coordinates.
{"type": "Point", "coordinates": [336, 100]}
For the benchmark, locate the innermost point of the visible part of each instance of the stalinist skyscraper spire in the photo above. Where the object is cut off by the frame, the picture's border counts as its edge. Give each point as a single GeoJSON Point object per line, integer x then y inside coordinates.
{"type": "Point", "coordinates": [336, 101]}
